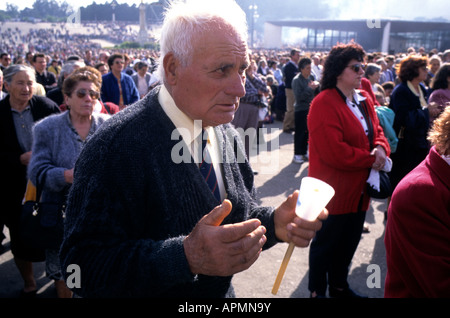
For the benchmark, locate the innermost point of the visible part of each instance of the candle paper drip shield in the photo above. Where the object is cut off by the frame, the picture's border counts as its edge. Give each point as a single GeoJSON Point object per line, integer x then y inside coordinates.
{"type": "Point", "coordinates": [313, 197]}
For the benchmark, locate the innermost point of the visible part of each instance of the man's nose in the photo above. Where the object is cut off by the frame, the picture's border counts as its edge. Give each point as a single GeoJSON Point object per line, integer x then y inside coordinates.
{"type": "Point", "coordinates": [236, 87]}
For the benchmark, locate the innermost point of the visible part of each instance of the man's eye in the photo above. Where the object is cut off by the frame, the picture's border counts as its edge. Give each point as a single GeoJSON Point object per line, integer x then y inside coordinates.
{"type": "Point", "coordinates": [222, 70]}
{"type": "Point", "coordinates": [243, 69]}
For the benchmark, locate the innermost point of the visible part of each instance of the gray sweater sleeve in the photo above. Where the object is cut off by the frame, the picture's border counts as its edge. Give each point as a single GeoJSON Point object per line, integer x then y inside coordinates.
{"type": "Point", "coordinates": [43, 155]}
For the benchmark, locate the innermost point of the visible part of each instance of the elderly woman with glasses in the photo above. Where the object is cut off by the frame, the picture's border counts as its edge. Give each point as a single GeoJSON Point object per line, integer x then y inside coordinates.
{"type": "Point", "coordinates": [58, 140]}
{"type": "Point", "coordinates": [346, 141]}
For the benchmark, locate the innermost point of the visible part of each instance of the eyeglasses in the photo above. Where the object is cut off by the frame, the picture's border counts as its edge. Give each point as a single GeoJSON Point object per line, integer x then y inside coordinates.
{"type": "Point", "coordinates": [357, 67]}
{"type": "Point", "coordinates": [81, 93]}
{"type": "Point", "coordinates": [119, 62]}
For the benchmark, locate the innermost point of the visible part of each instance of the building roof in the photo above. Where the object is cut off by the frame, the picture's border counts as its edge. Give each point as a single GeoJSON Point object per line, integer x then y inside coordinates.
{"type": "Point", "coordinates": [397, 26]}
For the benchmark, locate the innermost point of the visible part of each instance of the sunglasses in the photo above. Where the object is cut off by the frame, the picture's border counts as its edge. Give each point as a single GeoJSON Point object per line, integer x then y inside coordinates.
{"type": "Point", "coordinates": [81, 93]}
{"type": "Point", "coordinates": [356, 67]}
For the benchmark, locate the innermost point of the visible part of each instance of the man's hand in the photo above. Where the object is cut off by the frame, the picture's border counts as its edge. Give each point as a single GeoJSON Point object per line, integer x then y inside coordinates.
{"type": "Point", "coordinates": [223, 250]}
{"type": "Point", "coordinates": [290, 228]}
{"type": "Point", "coordinates": [25, 158]}
{"type": "Point", "coordinates": [68, 175]}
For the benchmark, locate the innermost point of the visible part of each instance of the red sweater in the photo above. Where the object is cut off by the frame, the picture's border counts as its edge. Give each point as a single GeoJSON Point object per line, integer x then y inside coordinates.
{"type": "Point", "coordinates": [339, 150]}
{"type": "Point", "coordinates": [417, 236]}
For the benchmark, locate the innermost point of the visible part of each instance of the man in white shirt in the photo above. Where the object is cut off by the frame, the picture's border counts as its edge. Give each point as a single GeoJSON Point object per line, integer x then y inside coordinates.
{"type": "Point", "coordinates": [316, 68]}
{"type": "Point", "coordinates": [172, 236]}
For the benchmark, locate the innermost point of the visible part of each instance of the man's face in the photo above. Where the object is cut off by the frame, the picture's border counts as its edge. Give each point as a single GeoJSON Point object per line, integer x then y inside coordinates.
{"type": "Point", "coordinates": [296, 57]}
{"type": "Point", "coordinates": [40, 64]}
{"type": "Point", "coordinates": [117, 65]}
{"type": "Point", "coordinates": [6, 60]}
{"type": "Point", "coordinates": [210, 87]}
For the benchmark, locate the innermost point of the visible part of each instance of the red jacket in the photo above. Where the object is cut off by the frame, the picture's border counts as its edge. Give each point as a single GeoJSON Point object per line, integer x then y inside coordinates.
{"type": "Point", "coordinates": [339, 150]}
{"type": "Point", "coordinates": [417, 236]}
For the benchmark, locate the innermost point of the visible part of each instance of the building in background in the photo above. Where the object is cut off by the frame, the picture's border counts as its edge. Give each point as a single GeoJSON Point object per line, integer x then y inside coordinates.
{"type": "Point", "coordinates": [381, 35]}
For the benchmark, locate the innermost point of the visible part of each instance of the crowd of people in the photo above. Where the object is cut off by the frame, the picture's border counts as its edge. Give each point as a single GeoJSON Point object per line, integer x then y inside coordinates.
{"type": "Point", "coordinates": [351, 113]}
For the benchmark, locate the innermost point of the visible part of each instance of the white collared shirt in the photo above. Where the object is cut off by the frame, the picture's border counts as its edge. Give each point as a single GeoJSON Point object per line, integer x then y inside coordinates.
{"type": "Point", "coordinates": [190, 131]}
{"type": "Point", "coordinates": [355, 110]}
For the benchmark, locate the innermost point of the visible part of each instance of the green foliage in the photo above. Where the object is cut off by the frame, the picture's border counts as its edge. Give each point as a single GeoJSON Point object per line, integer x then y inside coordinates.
{"type": "Point", "coordinates": [137, 45]}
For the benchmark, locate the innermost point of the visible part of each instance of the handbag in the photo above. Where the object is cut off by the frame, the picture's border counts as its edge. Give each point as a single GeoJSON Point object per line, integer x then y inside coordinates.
{"type": "Point", "coordinates": [385, 187]}
{"type": "Point", "coordinates": [385, 183]}
{"type": "Point", "coordinates": [41, 224]}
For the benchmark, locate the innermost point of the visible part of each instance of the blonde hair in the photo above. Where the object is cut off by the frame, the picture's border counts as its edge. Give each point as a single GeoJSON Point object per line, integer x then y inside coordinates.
{"type": "Point", "coordinates": [439, 135]}
{"type": "Point", "coordinates": [184, 20]}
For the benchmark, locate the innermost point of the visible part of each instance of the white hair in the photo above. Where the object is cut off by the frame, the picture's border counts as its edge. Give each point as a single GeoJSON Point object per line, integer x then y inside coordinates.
{"type": "Point", "coordinates": [184, 20]}
{"type": "Point", "coordinates": [12, 70]}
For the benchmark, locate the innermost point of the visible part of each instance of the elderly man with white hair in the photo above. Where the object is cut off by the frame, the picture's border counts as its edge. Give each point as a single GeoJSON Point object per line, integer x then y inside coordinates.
{"type": "Point", "coordinates": [153, 214]}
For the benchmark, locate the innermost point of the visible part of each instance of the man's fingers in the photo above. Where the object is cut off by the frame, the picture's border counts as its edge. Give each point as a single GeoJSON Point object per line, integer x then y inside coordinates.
{"type": "Point", "coordinates": [301, 232]}
{"type": "Point", "coordinates": [323, 215]}
{"type": "Point", "coordinates": [254, 240]}
{"type": "Point", "coordinates": [222, 250]}
{"type": "Point", "coordinates": [251, 247]}
{"type": "Point", "coordinates": [218, 214]}
{"type": "Point", "coordinates": [233, 232]}
{"type": "Point", "coordinates": [291, 200]}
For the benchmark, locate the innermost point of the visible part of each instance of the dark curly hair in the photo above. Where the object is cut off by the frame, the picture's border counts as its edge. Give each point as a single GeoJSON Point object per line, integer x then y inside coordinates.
{"type": "Point", "coordinates": [304, 62]}
{"type": "Point", "coordinates": [409, 67]}
{"type": "Point", "coordinates": [337, 60]}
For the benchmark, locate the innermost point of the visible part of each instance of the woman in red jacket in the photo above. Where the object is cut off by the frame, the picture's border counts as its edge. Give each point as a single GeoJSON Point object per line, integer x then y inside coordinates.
{"type": "Point", "coordinates": [346, 141]}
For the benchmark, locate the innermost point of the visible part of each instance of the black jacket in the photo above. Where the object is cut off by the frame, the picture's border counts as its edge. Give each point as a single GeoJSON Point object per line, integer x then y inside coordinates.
{"type": "Point", "coordinates": [13, 173]}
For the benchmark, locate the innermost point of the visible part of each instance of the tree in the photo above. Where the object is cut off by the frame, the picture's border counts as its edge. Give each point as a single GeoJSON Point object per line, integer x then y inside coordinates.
{"type": "Point", "coordinates": [12, 10]}
{"type": "Point", "coordinates": [47, 10]}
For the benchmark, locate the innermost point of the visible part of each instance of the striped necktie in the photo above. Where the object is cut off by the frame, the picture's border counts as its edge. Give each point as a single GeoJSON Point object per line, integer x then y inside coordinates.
{"type": "Point", "coordinates": [121, 104]}
{"type": "Point", "coordinates": [207, 169]}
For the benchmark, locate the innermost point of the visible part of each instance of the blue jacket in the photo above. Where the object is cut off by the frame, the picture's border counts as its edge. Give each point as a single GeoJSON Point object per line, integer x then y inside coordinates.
{"type": "Point", "coordinates": [110, 89]}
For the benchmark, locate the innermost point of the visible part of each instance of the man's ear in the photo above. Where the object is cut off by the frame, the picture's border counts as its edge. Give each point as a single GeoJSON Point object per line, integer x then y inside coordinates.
{"type": "Point", "coordinates": [171, 64]}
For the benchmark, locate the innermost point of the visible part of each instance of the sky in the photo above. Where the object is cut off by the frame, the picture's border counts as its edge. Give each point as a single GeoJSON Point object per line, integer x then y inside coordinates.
{"type": "Point", "coordinates": [348, 9]}
{"type": "Point", "coordinates": [401, 9]}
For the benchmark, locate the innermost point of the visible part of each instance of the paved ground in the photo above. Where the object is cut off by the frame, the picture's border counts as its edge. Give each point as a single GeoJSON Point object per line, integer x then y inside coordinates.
{"type": "Point", "coordinates": [277, 178]}
{"type": "Point", "coordinates": [272, 190]}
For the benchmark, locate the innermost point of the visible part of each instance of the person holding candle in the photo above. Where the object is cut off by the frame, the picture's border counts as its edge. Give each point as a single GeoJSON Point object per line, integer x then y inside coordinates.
{"type": "Point", "coordinates": [142, 220]}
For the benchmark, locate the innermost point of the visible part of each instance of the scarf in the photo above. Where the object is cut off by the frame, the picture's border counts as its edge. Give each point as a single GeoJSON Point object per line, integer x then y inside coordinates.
{"type": "Point", "coordinates": [419, 94]}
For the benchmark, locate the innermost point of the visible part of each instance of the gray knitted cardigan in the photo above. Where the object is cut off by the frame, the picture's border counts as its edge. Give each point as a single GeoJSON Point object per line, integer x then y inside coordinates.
{"type": "Point", "coordinates": [56, 147]}
{"type": "Point", "coordinates": [131, 206]}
